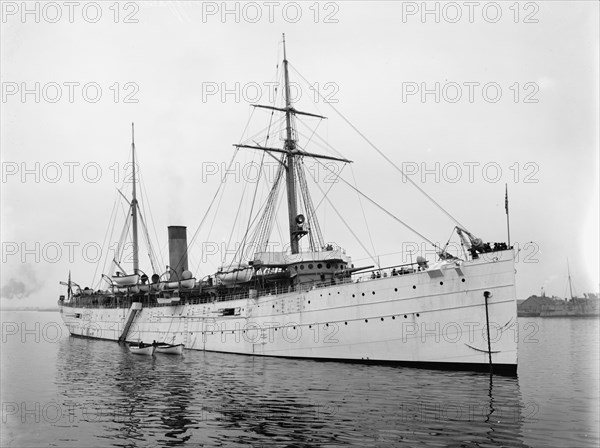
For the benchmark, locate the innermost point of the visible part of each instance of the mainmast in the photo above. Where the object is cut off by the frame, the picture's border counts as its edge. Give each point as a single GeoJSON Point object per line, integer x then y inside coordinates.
{"type": "Point", "coordinates": [290, 146]}
{"type": "Point", "coordinates": [134, 204]}
{"type": "Point", "coordinates": [297, 225]}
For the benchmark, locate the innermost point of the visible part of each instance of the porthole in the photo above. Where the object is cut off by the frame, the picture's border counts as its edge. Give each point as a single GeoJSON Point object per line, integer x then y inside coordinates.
{"type": "Point", "coordinates": [395, 289]}
{"type": "Point", "coordinates": [462, 280]}
{"type": "Point", "coordinates": [382, 319]}
{"type": "Point", "coordinates": [417, 314]}
{"type": "Point", "coordinates": [366, 320]}
{"type": "Point", "coordinates": [319, 266]}
{"type": "Point", "coordinates": [345, 323]}
{"type": "Point", "coordinates": [335, 266]}
{"type": "Point", "coordinates": [301, 267]}
{"type": "Point", "coordinates": [405, 316]}
{"type": "Point", "coordinates": [363, 294]}
{"type": "Point", "coordinates": [441, 283]}
{"type": "Point", "coordinates": [309, 301]}
{"type": "Point", "coordinates": [393, 317]}
{"type": "Point", "coordinates": [310, 266]}
{"type": "Point", "coordinates": [373, 292]}
{"type": "Point", "coordinates": [328, 265]}
{"type": "Point", "coordinates": [353, 295]}
{"type": "Point", "coordinates": [414, 287]}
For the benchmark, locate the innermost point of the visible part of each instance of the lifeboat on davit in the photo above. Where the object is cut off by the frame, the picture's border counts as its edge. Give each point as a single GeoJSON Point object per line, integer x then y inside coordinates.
{"type": "Point", "coordinates": [240, 274]}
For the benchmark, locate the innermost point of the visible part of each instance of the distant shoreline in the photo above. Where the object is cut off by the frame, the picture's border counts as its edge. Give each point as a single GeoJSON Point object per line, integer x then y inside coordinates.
{"type": "Point", "coordinates": [27, 308]}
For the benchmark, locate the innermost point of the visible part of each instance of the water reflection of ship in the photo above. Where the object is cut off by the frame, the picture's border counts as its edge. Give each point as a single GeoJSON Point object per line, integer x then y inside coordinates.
{"type": "Point", "coordinates": [220, 399]}
{"type": "Point", "coordinates": [138, 393]}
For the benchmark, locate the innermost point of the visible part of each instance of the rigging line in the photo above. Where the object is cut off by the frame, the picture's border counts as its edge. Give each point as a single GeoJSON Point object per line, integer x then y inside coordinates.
{"type": "Point", "coordinates": [152, 261]}
{"type": "Point", "coordinates": [117, 249]}
{"type": "Point", "coordinates": [344, 222]}
{"type": "Point", "coordinates": [324, 144]}
{"type": "Point", "coordinates": [221, 184]}
{"type": "Point", "coordinates": [314, 226]}
{"type": "Point", "coordinates": [248, 224]}
{"type": "Point", "coordinates": [277, 222]}
{"type": "Point", "coordinates": [314, 131]}
{"type": "Point", "coordinates": [449, 238]}
{"type": "Point", "coordinates": [364, 217]}
{"type": "Point", "coordinates": [123, 234]}
{"type": "Point", "coordinates": [387, 158]}
{"type": "Point", "coordinates": [333, 182]}
{"type": "Point", "coordinates": [219, 190]}
{"type": "Point", "coordinates": [379, 255]}
{"type": "Point", "coordinates": [381, 207]}
{"type": "Point", "coordinates": [110, 220]}
{"type": "Point", "coordinates": [265, 225]}
{"type": "Point", "coordinates": [250, 219]}
{"type": "Point", "coordinates": [303, 206]}
{"type": "Point", "coordinates": [143, 219]}
{"type": "Point", "coordinates": [214, 219]}
{"type": "Point", "coordinates": [260, 132]}
{"type": "Point", "coordinates": [237, 214]}
{"type": "Point", "coordinates": [258, 231]}
{"type": "Point", "coordinates": [160, 254]}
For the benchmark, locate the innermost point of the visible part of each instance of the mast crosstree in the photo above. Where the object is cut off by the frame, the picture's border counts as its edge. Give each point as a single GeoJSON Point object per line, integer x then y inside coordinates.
{"type": "Point", "coordinates": [293, 166]}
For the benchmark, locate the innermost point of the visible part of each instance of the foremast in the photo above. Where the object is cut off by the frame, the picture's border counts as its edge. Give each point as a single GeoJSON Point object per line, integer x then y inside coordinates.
{"type": "Point", "coordinates": [134, 207]}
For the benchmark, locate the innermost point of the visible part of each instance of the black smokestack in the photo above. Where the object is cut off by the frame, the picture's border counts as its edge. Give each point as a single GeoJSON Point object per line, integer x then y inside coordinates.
{"type": "Point", "coordinates": [177, 252]}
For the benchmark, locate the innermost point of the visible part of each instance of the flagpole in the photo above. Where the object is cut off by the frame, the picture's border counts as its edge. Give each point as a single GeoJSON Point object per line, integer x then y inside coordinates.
{"type": "Point", "coordinates": [507, 216]}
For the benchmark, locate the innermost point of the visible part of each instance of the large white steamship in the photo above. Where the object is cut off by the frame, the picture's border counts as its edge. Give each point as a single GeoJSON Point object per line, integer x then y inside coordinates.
{"type": "Point", "coordinates": [310, 301]}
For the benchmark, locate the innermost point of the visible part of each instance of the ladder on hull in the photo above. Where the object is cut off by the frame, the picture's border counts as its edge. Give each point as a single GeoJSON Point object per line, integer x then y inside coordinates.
{"type": "Point", "coordinates": [135, 309]}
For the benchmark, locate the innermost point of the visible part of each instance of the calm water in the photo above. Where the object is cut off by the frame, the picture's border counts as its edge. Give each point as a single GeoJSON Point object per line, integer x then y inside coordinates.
{"type": "Point", "coordinates": [69, 392]}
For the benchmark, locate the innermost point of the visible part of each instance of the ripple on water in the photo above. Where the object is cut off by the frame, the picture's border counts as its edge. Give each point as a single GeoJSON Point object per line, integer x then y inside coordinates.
{"type": "Point", "coordinates": [110, 397]}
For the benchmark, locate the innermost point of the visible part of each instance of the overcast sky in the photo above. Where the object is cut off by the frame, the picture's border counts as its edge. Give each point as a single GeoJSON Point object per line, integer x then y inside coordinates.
{"type": "Point", "coordinates": [465, 98]}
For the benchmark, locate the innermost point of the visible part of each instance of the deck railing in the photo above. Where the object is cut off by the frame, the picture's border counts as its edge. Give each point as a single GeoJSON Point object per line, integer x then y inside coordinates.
{"type": "Point", "coordinates": [104, 301]}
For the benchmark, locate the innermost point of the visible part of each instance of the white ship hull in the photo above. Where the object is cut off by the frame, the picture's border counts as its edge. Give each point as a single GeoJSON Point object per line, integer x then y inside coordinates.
{"type": "Point", "coordinates": [436, 318]}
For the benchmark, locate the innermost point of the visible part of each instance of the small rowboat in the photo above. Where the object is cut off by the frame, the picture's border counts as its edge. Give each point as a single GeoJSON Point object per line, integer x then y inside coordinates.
{"type": "Point", "coordinates": [145, 349]}
{"type": "Point", "coordinates": [170, 349]}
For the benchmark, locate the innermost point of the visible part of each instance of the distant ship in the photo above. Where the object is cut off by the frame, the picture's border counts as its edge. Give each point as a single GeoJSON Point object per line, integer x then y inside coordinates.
{"type": "Point", "coordinates": [543, 306]}
{"type": "Point", "coordinates": [310, 301]}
